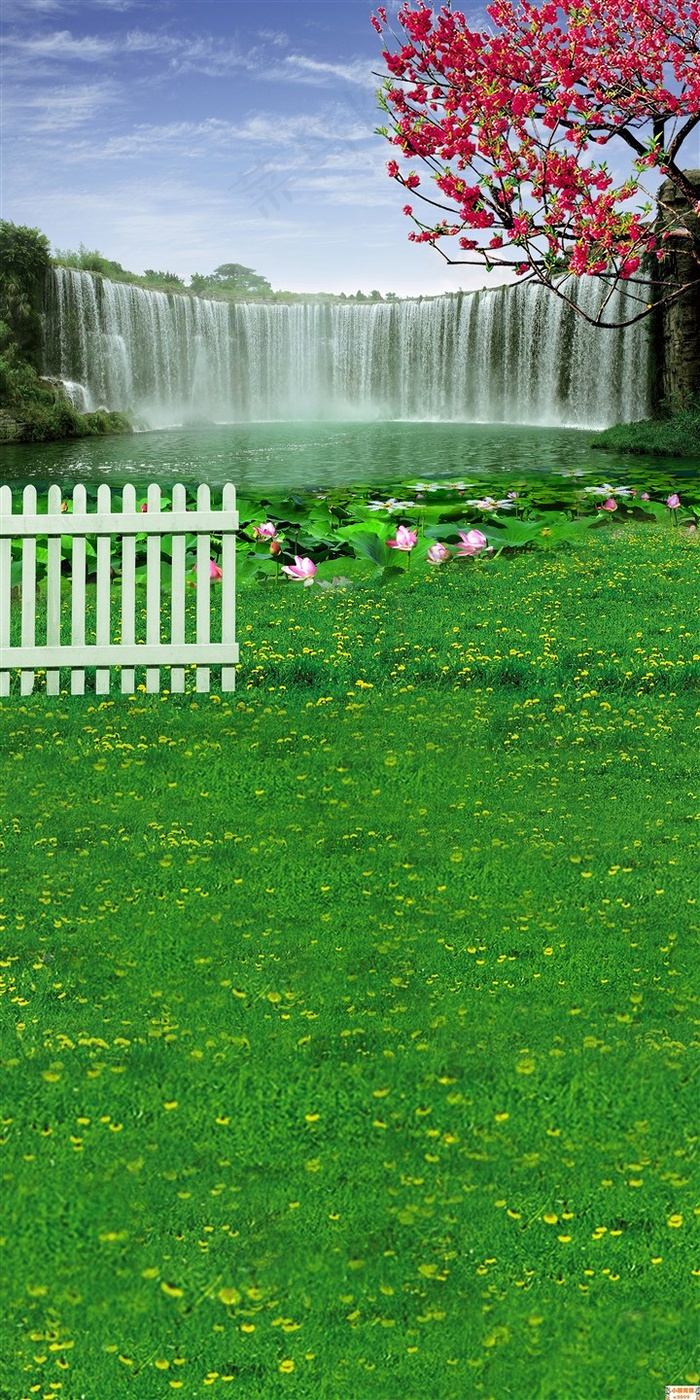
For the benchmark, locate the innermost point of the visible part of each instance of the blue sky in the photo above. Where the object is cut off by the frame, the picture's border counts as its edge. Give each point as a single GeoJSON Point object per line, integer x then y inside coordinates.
{"type": "Point", "coordinates": [179, 136]}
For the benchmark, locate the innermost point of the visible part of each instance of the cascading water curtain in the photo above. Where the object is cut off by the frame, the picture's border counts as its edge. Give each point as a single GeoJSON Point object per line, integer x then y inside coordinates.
{"type": "Point", "coordinates": [513, 354]}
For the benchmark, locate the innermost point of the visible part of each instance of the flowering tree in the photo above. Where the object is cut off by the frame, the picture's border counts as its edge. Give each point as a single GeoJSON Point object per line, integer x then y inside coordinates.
{"type": "Point", "coordinates": [509, 124]}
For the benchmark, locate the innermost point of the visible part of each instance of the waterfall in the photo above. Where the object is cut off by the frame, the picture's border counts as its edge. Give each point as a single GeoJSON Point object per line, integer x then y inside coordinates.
{"type": "Point", "coordinates": [513, 354]}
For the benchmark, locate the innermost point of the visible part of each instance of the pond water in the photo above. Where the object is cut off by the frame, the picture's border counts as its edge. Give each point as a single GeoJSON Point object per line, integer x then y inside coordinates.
{"type": "Point", "coordinates": [302, 456]}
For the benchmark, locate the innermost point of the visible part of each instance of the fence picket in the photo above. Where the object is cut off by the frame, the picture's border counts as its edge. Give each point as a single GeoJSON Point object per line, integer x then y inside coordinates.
{"type": "Point", "coordinates": [128, 635]}
{"type": "Point", "coordinates": [228, 589]}
{"type": "Point", "coordinates": [203, 588]}
{"type": "Point", "coordinates": [103, 600]}
{"type": "Point", "coordinates": [5, 586]}
{"type": "Point", "coordinates": [77, 631]}
{"type": "Point", "coordinates": [153, 591]}
{"type": "Point", "coordinates": [177, 593]}
{"type": "Point", "coordinates": [53, 592]}
{"type": "Point", "coordinates": [28, 588]}
{"type": "Point", "coordinates": [104, 523]}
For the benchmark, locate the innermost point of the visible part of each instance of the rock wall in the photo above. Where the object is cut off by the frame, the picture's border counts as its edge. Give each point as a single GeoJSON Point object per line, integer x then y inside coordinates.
{"type": "Point", "coordinates": [678, 335]}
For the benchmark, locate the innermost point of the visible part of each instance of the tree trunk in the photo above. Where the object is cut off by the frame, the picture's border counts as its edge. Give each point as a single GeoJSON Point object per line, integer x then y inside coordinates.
{"type": "Point", "coordinates": [679, 329]}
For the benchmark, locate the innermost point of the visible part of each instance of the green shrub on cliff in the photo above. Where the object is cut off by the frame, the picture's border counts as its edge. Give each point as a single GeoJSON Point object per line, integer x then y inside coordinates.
{"type": "Point", "coordinates": [33, 411]}
{"type": "Point", "coordinates": [91, 260]}
{"type": "Point", "coordinates": [30, 409]}
{"type": "Point", "coordinates": [25, 257]}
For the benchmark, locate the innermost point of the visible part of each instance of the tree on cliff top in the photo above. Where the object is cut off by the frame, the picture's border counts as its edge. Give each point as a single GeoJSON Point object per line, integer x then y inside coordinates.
{"type": "Point", "coordinates": [505, 121]}
{"type": "Point", "coordinates": [233, 279]}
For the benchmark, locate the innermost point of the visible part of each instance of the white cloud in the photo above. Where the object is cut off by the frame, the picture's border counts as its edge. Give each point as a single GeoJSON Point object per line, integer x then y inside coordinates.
{"type": "Point", "coordinates": [188, 139]}
{"type": "Point", "coordinates": [58, 109]}
{"type": "Point", "coordinates": [205, 55]}
{"type": "Point", "coordinates": [274, 36]}
{"type": "Point", "coordinates": [310, 70]}
{"type": "Point", "coordinates": [19, 9]}
{"type": "Point", "coordinates": [141, 41]}
{"type": "Point", "coordinates": [62, 45]}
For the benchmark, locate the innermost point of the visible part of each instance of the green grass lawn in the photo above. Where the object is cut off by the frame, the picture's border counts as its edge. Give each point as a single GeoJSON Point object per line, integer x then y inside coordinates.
{"type": "Point", "coordinates": [351, 1021]}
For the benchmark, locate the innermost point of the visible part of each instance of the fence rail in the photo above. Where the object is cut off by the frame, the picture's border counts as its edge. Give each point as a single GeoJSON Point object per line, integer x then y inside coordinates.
{"type": "Point", "coordinates": [124, 650]}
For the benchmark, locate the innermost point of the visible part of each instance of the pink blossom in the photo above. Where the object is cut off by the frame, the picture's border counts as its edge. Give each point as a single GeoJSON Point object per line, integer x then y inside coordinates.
{"type": "Point", "coordinates": [405, 539]}
{"type": "Point", "coordinates": [505, 115]}
{"type": "Point", "coordinates": [472, 542]}
{"type": "Point", "coordinates": [438, 553]}
{"type": "Point", "coordinates": [610, 504]}
{"type": "Point", "coordinates": [214, 570]}
{"type": "Point", "coordinates": [266, 531]}
{"type": "Point", "coordinates": [673, 501]}
{"type": "Point", "coordinates": [644, 496]}
{"type": "Point", "coordinates": [301, 569]}
{"type": "Point", "coordinates": [144, 506]}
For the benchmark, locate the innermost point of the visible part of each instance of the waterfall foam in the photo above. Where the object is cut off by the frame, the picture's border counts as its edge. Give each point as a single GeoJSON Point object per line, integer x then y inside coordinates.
{"type": "Point", "coordinates": [512, 354]}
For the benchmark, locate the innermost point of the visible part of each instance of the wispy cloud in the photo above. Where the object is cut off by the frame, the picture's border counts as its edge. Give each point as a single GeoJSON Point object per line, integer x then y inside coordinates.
{"type": "Point", "coordinates": [274, 36]}
{"type": "Point", "coordinates": [214, 136]}
{"type": "Point", "coordinates": [61, 46]}
{"type": "Point", "coordinates": [204, 54]}
{"type": "Point", "coordinates": [19, 9]}
{"type": "Point", "coordinates": [58, 109]}
{"type": "Point", "coordinates": [13, 10]}
{"type": "Point", "coordinates": [310, 70]}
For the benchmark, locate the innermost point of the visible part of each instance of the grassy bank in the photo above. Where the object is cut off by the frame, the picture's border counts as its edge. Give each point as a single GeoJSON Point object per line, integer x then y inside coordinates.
{"type": "Point", "coordinates": [677, 435]}
{"type": "Point", "coordinates": [397, 1099]}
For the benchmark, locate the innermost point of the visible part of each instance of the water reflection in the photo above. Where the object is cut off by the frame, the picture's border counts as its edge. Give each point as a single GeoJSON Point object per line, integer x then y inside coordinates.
{"type": "Point", "coordinates": [298, 456]}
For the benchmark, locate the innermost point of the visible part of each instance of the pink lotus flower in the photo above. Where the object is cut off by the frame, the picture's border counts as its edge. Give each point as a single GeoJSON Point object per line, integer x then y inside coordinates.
{"type": "Point", "coordinates": [405, 539]}
{"type": "Point", "coordinates": [610, 504]}
{"type": "Point", "coordinates": [645, 496]}
{"type": "Point", "coordinates": [266, 531]}
{"type": "Point", "coordinates": [438, 553]}
{"type": "Point", "coordinates": [301, 568]}
{"type": "Point", "coordinates": [472, 542]}
{"type": "Point", "coordinates": [673, 501]}
{"type": "Point", "coordinates": [214, 570]}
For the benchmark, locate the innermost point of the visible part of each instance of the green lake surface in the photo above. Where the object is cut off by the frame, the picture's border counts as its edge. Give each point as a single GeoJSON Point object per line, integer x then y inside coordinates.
{"type": "Point", "coordinates": [305, 456]}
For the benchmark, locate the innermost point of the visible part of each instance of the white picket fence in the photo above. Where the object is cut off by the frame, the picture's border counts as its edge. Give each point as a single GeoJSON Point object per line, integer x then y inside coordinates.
{"type": "Point", "coordinates": [124, 649]}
